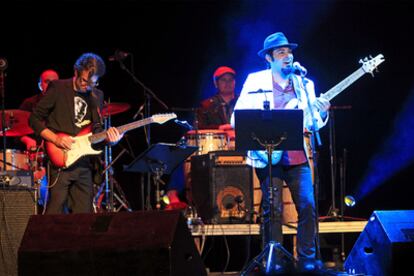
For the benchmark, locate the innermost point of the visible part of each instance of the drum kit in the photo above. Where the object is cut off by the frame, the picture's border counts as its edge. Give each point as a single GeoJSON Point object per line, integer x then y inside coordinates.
{"type": "Point", "coordinates": [210, 140]}
{"type": "Point", "coordinates": [16, 125]}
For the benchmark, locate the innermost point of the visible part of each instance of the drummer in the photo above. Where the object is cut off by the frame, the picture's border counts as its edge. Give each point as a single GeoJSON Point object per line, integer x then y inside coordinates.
{"type": "Point", "coordinates": [214, 113]}
{"type": "Point", "coordinates": [30, 103]}
{"type": "Point", "coordinates": [216, 110]}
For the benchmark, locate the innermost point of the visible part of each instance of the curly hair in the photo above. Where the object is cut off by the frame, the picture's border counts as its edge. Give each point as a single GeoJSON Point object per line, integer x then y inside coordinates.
{"type": "Point", "coordinates": [90, 62]}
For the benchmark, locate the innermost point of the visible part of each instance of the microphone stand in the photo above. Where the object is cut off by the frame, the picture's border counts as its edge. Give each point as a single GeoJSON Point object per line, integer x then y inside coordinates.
{"type": "Point", "coordinates": [109, 188]}
{"type": "Point", "coordinates": [149, 94]}
{"type": "Point", "coordinates": [314, 136]}
{"type": "Point", "coordinates": [187, 167]}
{"type": "Point", "coordinates": [3, 66]}
{"type": "Point", "coordinates": [332, 151]}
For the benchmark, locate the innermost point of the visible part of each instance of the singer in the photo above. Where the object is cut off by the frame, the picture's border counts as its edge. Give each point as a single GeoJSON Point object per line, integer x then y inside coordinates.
{"type": "Point", "coordinates": [293, 168]}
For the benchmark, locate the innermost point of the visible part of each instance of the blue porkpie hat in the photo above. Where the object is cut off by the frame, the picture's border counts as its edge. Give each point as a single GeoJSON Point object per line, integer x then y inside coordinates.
{"type": "Point", "coordinates": [275, 40]}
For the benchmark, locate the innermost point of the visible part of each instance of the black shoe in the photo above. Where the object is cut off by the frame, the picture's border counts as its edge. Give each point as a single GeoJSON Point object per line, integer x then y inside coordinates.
{"type": "Point", "coordinates": [309, 266]}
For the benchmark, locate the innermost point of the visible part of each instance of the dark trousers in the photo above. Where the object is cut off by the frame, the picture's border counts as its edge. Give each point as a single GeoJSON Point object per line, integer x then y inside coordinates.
{"type": "Point", "coordinates": [299, 180]}
{"type": "Point", "coordinates": [73, 188]}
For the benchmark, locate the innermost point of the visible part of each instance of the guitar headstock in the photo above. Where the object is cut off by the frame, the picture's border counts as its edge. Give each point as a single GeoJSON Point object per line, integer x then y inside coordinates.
{"type": "Point", "coordinates": [162, 118]}
{"type": "Point", "coordinates": [369, 65]}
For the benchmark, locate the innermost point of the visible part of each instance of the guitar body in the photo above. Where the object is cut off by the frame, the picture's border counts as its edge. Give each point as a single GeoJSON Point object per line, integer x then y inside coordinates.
{"type": "Point", "coordinates": [81, 147]}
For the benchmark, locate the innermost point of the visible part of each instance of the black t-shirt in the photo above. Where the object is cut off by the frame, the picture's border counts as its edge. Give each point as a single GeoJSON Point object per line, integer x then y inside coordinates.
{"type": "Point", "coordinates": [82, 109]}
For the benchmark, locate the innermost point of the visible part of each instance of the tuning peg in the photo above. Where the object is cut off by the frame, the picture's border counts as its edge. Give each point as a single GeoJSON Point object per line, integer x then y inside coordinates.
{"type": "Point", "coordinates": [360, 61]}
{"type": "Point", "coordinates": [365, 59]}
{"type": "Point", "coordinates": [370, 56]}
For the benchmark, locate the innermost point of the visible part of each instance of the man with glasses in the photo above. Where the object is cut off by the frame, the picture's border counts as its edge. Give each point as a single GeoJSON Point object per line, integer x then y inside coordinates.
{"type": "Point", "coordinates": [69, 106]}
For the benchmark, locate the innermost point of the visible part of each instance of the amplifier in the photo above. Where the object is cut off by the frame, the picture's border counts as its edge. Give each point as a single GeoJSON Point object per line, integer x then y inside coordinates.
{"type": "Point", "coordinates": [225, 158]}
{"type": "Point", "coordinates": [16, 179]}
{"type": "Point", "coordinates": [17, 204]}
{"type": "Point", "coordinates": [222, 187]}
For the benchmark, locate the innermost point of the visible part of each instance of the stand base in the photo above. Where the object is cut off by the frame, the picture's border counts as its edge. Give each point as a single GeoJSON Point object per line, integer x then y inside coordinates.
{"type": "Point", "coordinates": [269, 262]}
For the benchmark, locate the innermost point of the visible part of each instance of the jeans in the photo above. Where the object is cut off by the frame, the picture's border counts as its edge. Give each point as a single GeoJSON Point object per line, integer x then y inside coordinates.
{"type": "Point", "coordinates": [72, 189]}
{"type": "Point", "coordinates": [299, 180]}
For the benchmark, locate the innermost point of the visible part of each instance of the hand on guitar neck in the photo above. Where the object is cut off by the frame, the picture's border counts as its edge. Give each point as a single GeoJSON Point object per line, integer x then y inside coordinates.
{"type": "Point", "coordinates": [322, 105]}
{"type": "Point", "coordinates": [113, 135]}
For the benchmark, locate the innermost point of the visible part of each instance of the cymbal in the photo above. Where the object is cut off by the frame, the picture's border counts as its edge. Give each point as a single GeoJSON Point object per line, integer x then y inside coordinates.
{"type": "Point", "coordinates": [17, 123]}
{"type": "Point", "coordinates": [114, 108]}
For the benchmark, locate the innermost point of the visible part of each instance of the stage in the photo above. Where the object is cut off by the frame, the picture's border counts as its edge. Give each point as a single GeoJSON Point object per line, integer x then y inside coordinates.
{"type": "Point", "coordinates": [254, 229]}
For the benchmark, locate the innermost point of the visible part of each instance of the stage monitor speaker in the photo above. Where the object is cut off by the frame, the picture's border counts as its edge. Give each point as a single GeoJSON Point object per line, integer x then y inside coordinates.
{"type": "Point", "coordinates": [16, 207]}
{"type": "Point", "coordinates": [222, 187]}
{"type": "Point", "coordinates": [124, 243]}
{"type": "Point", "coordinates": [385, 247]}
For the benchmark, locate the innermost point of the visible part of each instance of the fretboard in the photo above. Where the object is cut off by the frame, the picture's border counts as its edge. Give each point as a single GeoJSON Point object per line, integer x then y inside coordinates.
{"type": "Point", "coordinates": [99, 137]}
{"type": "Point", "coordinates": [331, 93]}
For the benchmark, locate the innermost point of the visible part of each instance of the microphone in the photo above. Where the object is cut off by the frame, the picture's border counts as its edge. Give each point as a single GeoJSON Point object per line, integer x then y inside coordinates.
{"type": "Point", "coordinates": [119, 55]}
{"type": "Point", "coordinates": [297, 68]}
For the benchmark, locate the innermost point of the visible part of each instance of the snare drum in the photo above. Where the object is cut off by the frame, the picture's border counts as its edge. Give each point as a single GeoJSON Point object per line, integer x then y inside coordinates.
{"type": "Point", "coordinates": [15, 160]}
{"type": "Point", "coordinates": [207, 140]}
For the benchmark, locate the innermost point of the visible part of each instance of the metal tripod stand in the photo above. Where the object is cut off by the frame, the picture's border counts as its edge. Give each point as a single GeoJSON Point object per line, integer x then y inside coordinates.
{"type": "Point", "coordinates": [266, 259]}
{"type": "Point", "coordinates": [110, 182]}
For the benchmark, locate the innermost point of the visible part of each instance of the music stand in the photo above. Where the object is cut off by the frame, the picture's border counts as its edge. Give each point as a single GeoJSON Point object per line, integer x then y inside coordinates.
{"type": "Point", "coordinates": [160, 159]}
{"type": "Point", "coordinates": [269, 130]}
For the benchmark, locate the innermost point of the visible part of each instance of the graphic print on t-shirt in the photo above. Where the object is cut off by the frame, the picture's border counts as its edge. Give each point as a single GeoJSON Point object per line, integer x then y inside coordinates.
{"type": "Point", "coordinates": [81, 106]}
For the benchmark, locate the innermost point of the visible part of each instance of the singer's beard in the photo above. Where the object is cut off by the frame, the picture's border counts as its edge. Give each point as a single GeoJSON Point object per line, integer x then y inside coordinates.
{"type": "Point", "coordinates": [287, 70]}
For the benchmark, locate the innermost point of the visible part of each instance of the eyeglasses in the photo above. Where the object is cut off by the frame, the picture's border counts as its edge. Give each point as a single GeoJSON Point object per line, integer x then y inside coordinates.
{"type": "Point", "coordinates": [90, 82]}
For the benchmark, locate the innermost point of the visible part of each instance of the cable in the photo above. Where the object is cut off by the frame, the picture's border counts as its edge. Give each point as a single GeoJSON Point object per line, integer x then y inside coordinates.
{"type": "Point", "coordinates": [228, 254]}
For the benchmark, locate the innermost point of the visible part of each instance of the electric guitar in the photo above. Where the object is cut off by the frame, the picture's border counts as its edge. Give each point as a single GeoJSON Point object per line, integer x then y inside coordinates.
{"type": "Point", "coordinates": [83, 142]}
{"type": "Point", "coordinates": [368, 66]}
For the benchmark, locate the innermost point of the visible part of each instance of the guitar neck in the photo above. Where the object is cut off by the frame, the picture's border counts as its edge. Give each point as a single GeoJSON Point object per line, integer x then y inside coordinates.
{"type": "Point", "coordinates": [99, 137]}
{"type": "Point", "coordinates": [331, 93]}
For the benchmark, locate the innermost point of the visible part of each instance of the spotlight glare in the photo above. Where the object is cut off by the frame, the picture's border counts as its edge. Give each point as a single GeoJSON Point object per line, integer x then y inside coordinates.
{"type": "Point", "coordinates": [165, 199]}
{"type": "Point", "coordinates": [349, 201]}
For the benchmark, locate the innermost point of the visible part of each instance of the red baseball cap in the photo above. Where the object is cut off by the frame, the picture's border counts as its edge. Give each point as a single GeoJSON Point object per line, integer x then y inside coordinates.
{"type": "Point", "coordinates": [221, 71]}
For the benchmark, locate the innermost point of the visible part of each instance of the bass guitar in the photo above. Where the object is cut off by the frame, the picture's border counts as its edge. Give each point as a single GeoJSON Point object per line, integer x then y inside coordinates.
{"type": "Point", "coordinates": [368, 66]}
{"type": "Point", "coordinates": [83, 142]}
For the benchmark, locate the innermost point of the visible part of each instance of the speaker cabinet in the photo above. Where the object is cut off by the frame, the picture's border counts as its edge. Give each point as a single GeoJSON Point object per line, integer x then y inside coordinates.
{"type": "Point", "coordinates": [222, 187]}
{"type": "Point", "coordinates": [125, 243]}
{"type": "Point", "coordinates": [386, 246]}
{"type": "Point", "coordinates": [16, 207]}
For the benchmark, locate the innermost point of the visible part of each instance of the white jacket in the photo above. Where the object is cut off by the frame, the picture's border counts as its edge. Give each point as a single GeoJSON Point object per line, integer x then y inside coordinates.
{"type": "Point", "coordinates": [262, 80]}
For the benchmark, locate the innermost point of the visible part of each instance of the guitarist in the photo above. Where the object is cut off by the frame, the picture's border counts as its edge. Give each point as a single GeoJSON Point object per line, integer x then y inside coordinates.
{"type": "Point", "coordinates": [68, 106]}
{"type": "Point", "coordinates": [274, 89]}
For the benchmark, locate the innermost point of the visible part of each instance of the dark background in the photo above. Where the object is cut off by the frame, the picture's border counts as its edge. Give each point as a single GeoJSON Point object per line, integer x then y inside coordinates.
{"type": "Point", "coordinates": [176, 46]}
